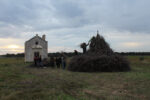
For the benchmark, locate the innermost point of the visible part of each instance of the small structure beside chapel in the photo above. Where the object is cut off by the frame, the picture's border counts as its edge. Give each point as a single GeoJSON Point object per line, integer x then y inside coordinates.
{"type": "Point", "coordinates": [36, 46]}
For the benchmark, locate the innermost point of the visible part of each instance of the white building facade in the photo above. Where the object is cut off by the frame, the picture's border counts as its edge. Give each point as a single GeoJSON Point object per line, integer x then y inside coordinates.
{"type": "Point", "coordinates": [36, 47]}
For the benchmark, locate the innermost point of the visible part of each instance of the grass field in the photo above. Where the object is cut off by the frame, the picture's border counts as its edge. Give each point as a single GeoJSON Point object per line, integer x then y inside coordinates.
{"type": "Point", "coordinates": [19, 82]}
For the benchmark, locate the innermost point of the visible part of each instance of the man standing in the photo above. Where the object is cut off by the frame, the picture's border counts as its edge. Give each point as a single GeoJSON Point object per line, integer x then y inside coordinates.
{"type": "Point", "coordinates": [35, 60]}
{"type": "Point", "coordinates": [52, 62]}
{"type": "Point", "coordinates": [63, 62]}
{"type": "Point", "coordinates": [58, 62]}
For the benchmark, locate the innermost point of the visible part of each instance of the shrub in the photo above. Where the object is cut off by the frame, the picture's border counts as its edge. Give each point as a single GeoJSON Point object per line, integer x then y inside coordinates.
{"type": "Point", "coordinates": [103, 63]}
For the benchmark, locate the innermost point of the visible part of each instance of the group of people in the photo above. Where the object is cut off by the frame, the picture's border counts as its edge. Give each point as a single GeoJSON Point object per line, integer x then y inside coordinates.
{"type": "Point", "coordinates": [59, 62]}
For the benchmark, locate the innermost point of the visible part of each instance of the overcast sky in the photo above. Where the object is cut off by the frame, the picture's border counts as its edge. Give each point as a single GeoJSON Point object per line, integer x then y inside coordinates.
{"type": "Point", "coordinates": [125, 24]}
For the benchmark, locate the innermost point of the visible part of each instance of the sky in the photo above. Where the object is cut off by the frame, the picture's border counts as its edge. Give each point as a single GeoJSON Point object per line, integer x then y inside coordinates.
{"type": "Point", "coordinates": [125, 24]}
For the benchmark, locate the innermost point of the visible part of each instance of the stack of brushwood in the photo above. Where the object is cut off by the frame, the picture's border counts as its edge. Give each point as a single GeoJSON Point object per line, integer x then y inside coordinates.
{"type": "Point", "coordinates": [99, 58]}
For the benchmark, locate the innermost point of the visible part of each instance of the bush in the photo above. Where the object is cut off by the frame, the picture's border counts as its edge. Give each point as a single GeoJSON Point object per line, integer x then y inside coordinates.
{"type": "Point", "coordinates": [103, 63]}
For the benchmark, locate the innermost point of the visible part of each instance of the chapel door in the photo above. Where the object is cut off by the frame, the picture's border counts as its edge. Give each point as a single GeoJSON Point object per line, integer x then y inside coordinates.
{"type": "Point", "coordinates": [36, 54]}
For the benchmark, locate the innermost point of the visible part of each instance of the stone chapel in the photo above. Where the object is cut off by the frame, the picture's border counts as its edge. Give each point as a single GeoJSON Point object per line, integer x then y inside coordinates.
{"type": "Point", "coordinates": [36, 46]}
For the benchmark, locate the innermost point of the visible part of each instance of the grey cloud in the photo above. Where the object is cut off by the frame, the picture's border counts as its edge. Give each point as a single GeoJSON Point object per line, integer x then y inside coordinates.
{"type": "Point", "coordinates": [128, 15]}
{"type": "Point", "coordinates": [67, 9]}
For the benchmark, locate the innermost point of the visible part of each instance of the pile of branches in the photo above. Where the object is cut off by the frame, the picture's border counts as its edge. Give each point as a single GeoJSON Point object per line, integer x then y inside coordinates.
{"type": "Point", "coordinates": [99, 46]}
{"type": "Point", "coordinates": [99, 58]}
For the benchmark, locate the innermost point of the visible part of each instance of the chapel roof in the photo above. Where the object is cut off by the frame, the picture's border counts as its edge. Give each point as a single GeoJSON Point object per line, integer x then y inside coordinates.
{"type": "Point", "coordinates": [36, 37]}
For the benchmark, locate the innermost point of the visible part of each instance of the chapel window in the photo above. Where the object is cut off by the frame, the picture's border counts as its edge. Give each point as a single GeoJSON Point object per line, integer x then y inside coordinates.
{"type": "Point", "coordinates": [36, 42]}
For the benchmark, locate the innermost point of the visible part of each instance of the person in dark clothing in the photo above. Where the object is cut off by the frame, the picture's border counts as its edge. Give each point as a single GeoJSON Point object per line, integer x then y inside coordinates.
{"type": "Point", "coordinates": [63, 62]}
{"type": "Point", "coordinates": [59, 59]}
{"type": "Point", "coordinates": [52, 62]}
{"type": "Point", "coordinates": [35, 60]}
{"type": "Point", "coordinates": [40, 61]}
{"type": "Point", "coordinates": [44, 62]}
{"type": "Point", "coordinates": [75, 52]}
{"type": "Point", "coordinates": [58, 62]}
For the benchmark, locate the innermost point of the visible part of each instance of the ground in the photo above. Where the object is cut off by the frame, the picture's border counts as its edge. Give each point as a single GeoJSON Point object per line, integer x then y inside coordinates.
{"type": "Point", "coordinates": [20, 82]}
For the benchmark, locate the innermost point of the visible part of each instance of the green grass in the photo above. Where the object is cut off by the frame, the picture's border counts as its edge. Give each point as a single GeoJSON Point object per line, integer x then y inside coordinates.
{"type": "Point", "coordinates": [19, 82]}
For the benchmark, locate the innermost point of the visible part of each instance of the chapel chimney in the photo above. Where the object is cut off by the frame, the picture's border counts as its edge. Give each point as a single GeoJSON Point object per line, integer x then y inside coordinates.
{"type": "Point", "coordinates": [43, 37]}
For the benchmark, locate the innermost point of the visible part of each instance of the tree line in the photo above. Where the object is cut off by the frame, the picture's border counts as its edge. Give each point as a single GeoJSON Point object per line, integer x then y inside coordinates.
{"type": "Point", "coordinates": [70, 54]}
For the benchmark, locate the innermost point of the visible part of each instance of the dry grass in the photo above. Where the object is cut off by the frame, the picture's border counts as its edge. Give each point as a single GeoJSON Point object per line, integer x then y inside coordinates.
{"type": "Point", "coordinates": [19, 82]}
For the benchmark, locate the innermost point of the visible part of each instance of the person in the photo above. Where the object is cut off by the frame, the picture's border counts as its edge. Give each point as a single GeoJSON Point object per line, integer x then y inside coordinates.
{"type": "Point", "coordinates": [75, 52]}
{"type": "Point", "coordinates": [63, 62]}
{"type": "Point", "coordinates": [44, 62]}
{"type": "Point", "coordinates": [35, 60]}
{"type": "Point", "coordinates": [40, 61]}
{"type": "Point", "coordinates": [84, 47]}
{"type": "Point", "coordinates": [58, 61]}
{"type": "Point", "coordinates": [52, 62]}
